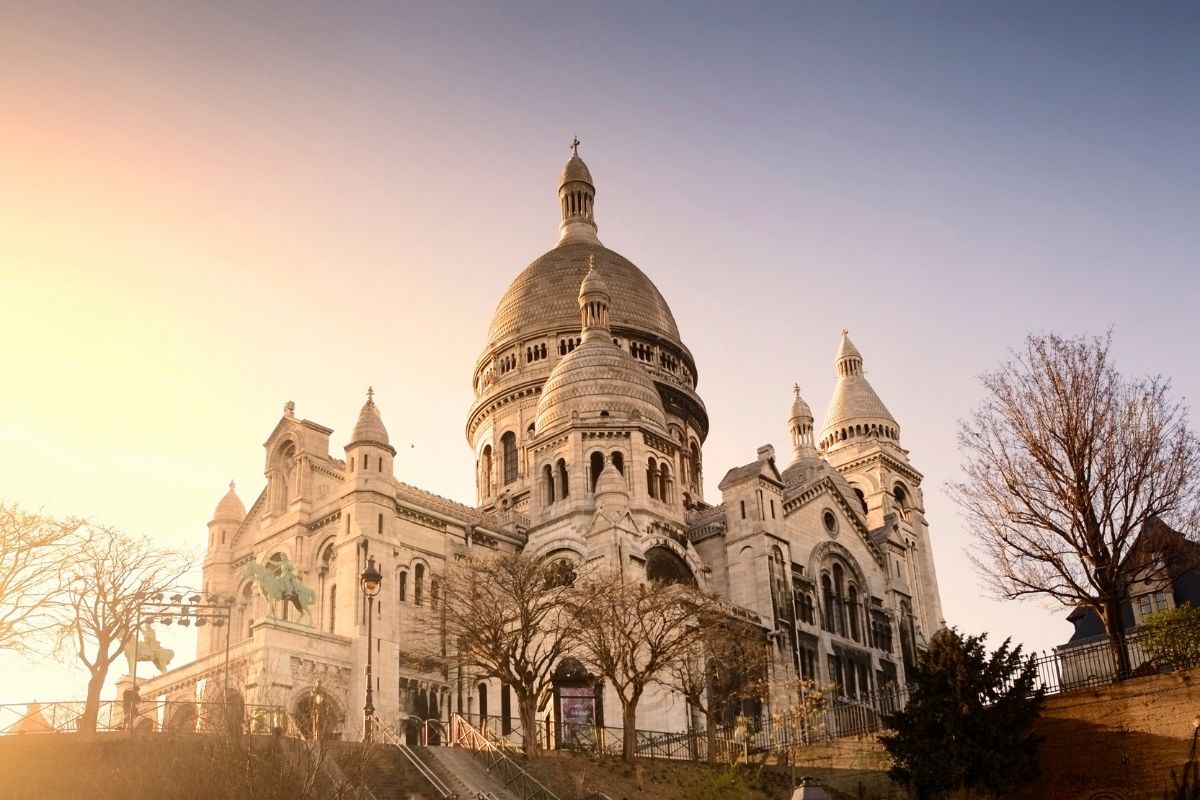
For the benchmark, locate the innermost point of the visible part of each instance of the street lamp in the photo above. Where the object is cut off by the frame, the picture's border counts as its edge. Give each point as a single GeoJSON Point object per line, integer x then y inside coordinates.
{"type": "Point", "coordinates": [369, 581]}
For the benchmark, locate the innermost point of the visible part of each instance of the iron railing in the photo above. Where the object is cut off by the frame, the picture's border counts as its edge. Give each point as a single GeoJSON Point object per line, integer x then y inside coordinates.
{"type": "Point", "coordinates": [384, 733]}
{"type": "Point", "coordinates": [496, 762]}
{"type": "Point", "coordinates": [146, 717]}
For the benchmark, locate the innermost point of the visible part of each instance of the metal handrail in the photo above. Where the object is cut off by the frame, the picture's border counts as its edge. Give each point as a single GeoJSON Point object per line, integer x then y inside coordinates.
{"type": "Point", "coordinates": [509, 772]}
{"type": "Point", "coordinates": [386, 734]}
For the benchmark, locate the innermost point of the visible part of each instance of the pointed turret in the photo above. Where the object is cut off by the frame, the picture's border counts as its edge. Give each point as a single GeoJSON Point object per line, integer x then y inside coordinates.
{"type": "Point", "coordinates": [370, 452]}
{"type": "Point", "coordinates": [577, 195]}
{"type": "Point", "coordinates": [855, 412]}
{"type": "Point", "coordinates": [612, 495]}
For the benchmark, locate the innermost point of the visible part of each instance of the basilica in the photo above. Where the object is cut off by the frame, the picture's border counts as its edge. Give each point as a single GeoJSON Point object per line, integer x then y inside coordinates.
{"type": "Point", "coordinates": [587, 433]}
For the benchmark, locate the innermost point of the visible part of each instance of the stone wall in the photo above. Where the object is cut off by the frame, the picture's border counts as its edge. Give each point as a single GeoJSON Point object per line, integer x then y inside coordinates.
{"type": "Point", "coordinates": [1125, 739]}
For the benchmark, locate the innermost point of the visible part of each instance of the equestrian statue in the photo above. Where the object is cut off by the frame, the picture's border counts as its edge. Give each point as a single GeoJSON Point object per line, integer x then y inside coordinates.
{"type": "Point", "coordinates": [147, 648]}
{"type": "Point", "coordinates": [278, 582]}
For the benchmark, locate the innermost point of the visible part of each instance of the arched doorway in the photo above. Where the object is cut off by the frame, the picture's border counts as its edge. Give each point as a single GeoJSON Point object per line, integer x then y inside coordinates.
{"type": "Point", "coordinates": [578, 706]}
{"type": "Point", "coordinates": [316, 714]}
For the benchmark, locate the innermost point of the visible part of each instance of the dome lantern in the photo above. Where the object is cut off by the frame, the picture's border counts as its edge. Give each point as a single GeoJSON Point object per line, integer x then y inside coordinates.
{"type": "Point", "coordinates": [577, 196]}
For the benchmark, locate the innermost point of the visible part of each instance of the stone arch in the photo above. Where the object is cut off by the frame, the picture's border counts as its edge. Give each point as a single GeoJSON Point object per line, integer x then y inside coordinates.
{"type": "Point", "coordinates": [316, 712]}
{"type": "Point", "coordinates": [663, 564]}
{"type": "Point", "coordinates": [182, 718]}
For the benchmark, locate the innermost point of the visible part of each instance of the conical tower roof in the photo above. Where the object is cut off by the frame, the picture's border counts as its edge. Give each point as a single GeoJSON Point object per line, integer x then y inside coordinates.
{"type": "Point", "coordinates": [230, 508]}
{"type": "Point", "coordinates": [854, 401]}
{"type": "Point", "coordinates": [369, 429]}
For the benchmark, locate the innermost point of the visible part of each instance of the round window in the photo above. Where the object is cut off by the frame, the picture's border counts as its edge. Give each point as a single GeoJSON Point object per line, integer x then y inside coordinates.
{"type": "Point", "coordinates": [830, 520]}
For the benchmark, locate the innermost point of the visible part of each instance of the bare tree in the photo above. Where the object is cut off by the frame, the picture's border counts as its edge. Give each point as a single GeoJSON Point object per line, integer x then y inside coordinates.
{"type": "Point", "coordinates": [632, 631]}
{"type": "Point", "coordinates": [32, 546]}
{"type": "Point", "coordinates": [725, 664]}
{"type": "Point", "coordinates": [1066, 462]}
{"type": "Point", "coordinates": [111, 574]}
{"type": "Point", "coordinates": [506, 616]}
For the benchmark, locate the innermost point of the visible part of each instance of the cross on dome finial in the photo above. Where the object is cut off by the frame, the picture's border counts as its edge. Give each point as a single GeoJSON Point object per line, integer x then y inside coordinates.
{"type": "Point", "coordinates": [575, 146]}
{"type": "Point", "coordinates": [796, 389]}
{"type": "Point", "coordinates": [370, 394]}
{"type": "Point", "coordinates": [232, 485]}
{"type": "Point", "coordinates": [845, 331]}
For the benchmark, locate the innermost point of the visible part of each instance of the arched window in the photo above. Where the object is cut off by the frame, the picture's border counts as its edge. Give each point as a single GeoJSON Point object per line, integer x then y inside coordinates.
{"type": "Point", "coordinates": [563, 486]}
{"type": "Point", "coordinates": [901, 498]}
{"type": "Point", "coordinates": [508, 446]}
{"type": "Point", "coordinates": [694, 475]}
{"type": "Point", "coordinates": [485, 475]}
{"type": "Point", "coordinates": [548, 483]}
{"type": "Point", "coordinates": [596, 462]}
{"type": "Point", "coordinates": [827, 603]}
{"type": "Point", "coordinates": [862, 498]}
{"type": "Point", "coordinates": [618, 459]}
{"type": "Point", "coordinates": [419, 584]}
{"type": "Point", "coordinates": [402, 586]}
{"type": "Point", "coordinates": [853, 612]}
{"type": "Point", "coordinates": [664, 482]}
{"type": "Point", "coordinates": [652, 478]}
{"type": "Point", "coordinates": [665, 566]}
{"type": "Point", "coordinates": [839, 599]}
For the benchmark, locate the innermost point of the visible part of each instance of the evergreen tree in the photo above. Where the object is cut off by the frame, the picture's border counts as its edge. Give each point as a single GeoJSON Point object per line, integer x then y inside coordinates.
{"type": "Point", "coordinates": [969, 720]}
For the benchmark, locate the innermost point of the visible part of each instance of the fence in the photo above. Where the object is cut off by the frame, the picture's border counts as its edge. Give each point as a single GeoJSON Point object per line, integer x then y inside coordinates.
{"type": "Point", "coordinates": [145, 717]}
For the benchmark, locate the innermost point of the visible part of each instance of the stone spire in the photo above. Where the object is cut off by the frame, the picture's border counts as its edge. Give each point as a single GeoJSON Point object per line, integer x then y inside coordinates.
{"type": "Point", "coordinates": [855, 411]}
{"type": "Point", "coordinates": [612, 495]}
{"type": "Point", "coordinates": [577, 195]}
{"type": "Point", "coordinates": [369, 428]}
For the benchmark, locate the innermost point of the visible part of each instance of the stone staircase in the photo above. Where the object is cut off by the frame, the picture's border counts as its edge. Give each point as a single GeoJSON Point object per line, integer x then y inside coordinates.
{"type": "Point", "coordinates": [463, 773]}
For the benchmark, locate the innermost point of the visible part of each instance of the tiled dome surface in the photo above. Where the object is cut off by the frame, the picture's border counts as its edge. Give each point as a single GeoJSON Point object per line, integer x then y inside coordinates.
{"type": "Point", "coordinates": [230, 509]}
{"type": "Point", "coordinates": [854, 399]}
{"type": "Point", "coordinates": [576, 170]}
{"type": "Point", "coordinates": [545, 296]}
{"type": "Point", "coordinates": [370, 426]}
{"type": "Point", "coordinates": [598, 376]}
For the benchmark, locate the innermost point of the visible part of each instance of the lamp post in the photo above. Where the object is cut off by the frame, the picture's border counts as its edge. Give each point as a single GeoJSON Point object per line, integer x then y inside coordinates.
{"type": "Point", "coordinates": [369, 581]}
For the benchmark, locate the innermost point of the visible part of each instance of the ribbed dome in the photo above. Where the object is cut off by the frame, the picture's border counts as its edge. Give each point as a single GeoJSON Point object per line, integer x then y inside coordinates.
{"type": "Point", "coordinates": [597, 377]}
{"type": "Point", "coordinates": [544, 297]}
{"type": "Point", "coordinates": [230, 509]}
{"type": "Point", "coordinates": [369, 428]}
{"type": "Point", "coordinates": [576, 170]}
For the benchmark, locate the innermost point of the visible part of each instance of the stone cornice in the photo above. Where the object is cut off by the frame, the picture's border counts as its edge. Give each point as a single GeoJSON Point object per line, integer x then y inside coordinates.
{"type": "Point", "coordinates": [890, 461]}
{"type": "Point", "coordinates": [486, 405]}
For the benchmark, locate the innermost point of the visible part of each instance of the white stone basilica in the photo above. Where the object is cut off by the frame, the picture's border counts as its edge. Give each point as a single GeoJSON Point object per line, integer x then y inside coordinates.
{"type": "Point", "coordinates": [587, 431]}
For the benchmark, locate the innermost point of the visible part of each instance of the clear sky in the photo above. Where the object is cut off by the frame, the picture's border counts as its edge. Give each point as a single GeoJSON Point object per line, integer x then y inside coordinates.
{"type": "Point", "coordinates": [208, 209]}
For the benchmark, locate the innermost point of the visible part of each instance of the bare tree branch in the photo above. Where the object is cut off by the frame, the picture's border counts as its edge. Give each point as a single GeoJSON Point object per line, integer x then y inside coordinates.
{"type": "Point", "coordinates": [109, 577]}
{"type": "Point", "coordinates": [1066, 464]}
{"type": "Point", "coordinates": [32, 546]}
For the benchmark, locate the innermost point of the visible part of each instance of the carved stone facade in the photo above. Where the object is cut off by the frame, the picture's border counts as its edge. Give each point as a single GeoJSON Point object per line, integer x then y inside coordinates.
{"type": "Point", "coordinates": [587, 432]}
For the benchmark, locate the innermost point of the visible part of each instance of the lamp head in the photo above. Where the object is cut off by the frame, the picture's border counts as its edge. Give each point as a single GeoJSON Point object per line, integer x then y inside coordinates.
{"type": "Point", "coordinates": [370, 578]}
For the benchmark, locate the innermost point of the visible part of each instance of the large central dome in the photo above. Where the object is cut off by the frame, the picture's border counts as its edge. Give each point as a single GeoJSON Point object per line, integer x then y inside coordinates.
{"type": "Point", "coordinates": [537, 327]}
{"type": "Point", "coordinates": [543, 296]}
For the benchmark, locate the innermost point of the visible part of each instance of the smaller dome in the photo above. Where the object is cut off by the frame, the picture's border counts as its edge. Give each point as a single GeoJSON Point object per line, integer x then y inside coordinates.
{"type": "Point", "coordinates": [576, 170]}
{"type": "Point", "coordinates": [598, 379]}
{"type": "Point", "coordinates": [230, 509]}
{"type": "Point", "coordinates": [799, 410]}
{"type": "Point", "coordinates": [369, 428]}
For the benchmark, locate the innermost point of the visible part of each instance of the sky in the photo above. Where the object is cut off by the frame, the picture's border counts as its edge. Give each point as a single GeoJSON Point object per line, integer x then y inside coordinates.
{"type": "Point", "coordinates": [209, 209]}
